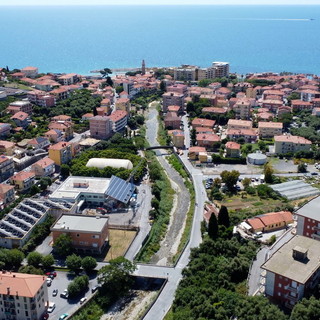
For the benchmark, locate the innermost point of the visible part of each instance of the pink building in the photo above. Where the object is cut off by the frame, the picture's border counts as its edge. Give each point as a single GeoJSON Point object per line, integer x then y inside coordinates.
{"type": "Point", "coordinates": [172, 99]}
{"type": "Point", "coordinates": [100, 127]}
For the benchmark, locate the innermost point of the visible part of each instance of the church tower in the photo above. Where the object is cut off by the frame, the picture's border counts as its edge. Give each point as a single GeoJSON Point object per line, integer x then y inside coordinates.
{"type": "Point", "coordinates": [143, 67]}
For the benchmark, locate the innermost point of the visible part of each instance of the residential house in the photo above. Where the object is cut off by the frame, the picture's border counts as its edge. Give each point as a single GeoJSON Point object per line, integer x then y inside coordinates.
{"type": "Point", "coordinates": [172, 120]}
{"type": "Point", "coordinates": [270, 129]}
{"type": "Point", "coordinates": [89, 234]}
{"type": "Point", "coordinates": [60, 94]}
{"type": "Point", "coordinates": [62, 119]}
{"type": "Point", "coordinates": [249, 135]}
{"type": "Point", "coordinates": [208, 210]}
{"type": "Point", "coordinates": [87, 116]}
{"type": "Point", "coordinates": [46, 84]}
{"type": "Point", "coordinates": [61, 153]}
{"type": "Point", "coordinates": [239, 124]}
{"type": "Point", "coordinates": [21, 119]}
{"type": "Point", "coordinates": [7, 147]}
{"type": "Point", "coordinates": [309, 95]}
{"type": "Point", "coordinates": [233, 149]}
{"type": "Point", "coordinates": [44, 167]}
{"type": "Point", "coordinates": [176, 109]}
{"type": "Point", "coordinates": [213, 110]}
{"type": "Point", "coordinates": [69, 79]}
{"type": "Point", "coordinates": [6, 168]}
{"type": "Point", "coordinates": [316, 112]}
{"type": "Point", "coordinates": [272, 105]}
{"type": "Point", "coordinates": [39, 143]}
{"type": "Point", "coordinates": [172, 99]}
{"type": "Point", "coordinates": [23, 296]}
{"type": "Point", "coordinates": [41, 98]}
{"type": "Point", "coordinates": [123, 104]}
{"type": "Point", "coordinates": [6, 194]}
{"type": "Point", "coordinates": [177, 137]}
{"type": "Point", "coordinates": [23, 181]}
{"type": "Point", "coordinates": [54, 135]}
{"type": "Point", "coordinates": [202, 123]}
{"type": "Point", "coordinates": [100, 127]}
{"type": "Point", "coordinates": [63, 126]}
{"type": "Point", "coordinates": [194, 152]}
{"type": "Point", "coordinates": [242, 109]}
{"type": "Point", "coordinates": [299, 105]}
{"type": "Point", "coordinates": [291, 144]}
{"type": "Point", "coordinates": [293, 271]}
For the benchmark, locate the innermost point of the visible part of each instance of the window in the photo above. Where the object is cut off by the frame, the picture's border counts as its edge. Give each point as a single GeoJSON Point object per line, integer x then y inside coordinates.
{"type": "Point", "coordinates": [308, 227]}
{"type": "Point", "coordinates": [279, 293]}
{"type": "Point", "coordinates": [78, 235]}
{"type": "Point", "coordinates": [279, 285]}
{"type": "Point", "coordinates": [293, 284]}
{"type": "Point", "coordinates": [95, 236]}
{"type": "Point", "coordinates": [27, 314]}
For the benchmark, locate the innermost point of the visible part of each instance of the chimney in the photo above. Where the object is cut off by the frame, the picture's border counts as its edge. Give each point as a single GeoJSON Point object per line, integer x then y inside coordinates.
{"type": "Point", "coordinates": [14, 275]}
{"type": "Point", "coordinates": [8, 290]}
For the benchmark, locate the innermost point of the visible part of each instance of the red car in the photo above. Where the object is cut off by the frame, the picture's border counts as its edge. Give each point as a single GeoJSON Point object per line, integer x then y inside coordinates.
{"type": "Point", "coordinates": [45, 316]}
{"type": "Point", "coordinates": [52, 273]}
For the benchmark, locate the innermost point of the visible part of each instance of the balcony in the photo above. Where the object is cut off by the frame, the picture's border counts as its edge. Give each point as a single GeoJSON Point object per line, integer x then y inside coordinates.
{"type": "Point", "coordinates": [291, 298]}
{"type": "Point", "coordinates": [315, 236]}
{"type": "Point", "coordinates": [292, 289]}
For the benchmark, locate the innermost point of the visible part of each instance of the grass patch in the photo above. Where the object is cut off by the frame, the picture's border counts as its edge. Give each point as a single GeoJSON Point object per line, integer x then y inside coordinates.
{"type": "Point", "coordinates": [91, 311]}
{"type": "Point", "coordinates": [119, 242]}
{"type": "Point", "coordinates": [16, 85]}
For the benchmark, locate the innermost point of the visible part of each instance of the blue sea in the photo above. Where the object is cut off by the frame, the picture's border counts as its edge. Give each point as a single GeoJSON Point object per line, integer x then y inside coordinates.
{"type": "Point", "coordinates": [80, 39]}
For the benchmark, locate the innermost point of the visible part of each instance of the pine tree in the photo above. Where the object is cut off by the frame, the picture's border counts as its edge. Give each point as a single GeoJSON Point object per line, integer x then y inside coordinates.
{"type": "Point", "coordinates": [213, 227]}
{"type": "Point", "coordinates": [94, 110]}
{"type": "Point", "coordinates": [223, 217]}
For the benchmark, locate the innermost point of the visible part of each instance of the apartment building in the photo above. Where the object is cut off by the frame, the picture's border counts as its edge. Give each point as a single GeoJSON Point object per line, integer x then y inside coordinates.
{"type": "Point", "coordinates": [290, 144]}
{"type": "Point", "coordinates": [123, 104]}
{"type": "Point", "coordinates": [172, 121]}
{"type": "Point", "coordinates": [249, 135]}
{"type": "Point", "coordinates": [30, 72]}
{"type": "Point", "coordinates": [207, 140]}
{"type": "Point", "coordinates": [200, 123]}
{"type": "Point", "coordinates": [177, 137]}
{"type": "Point", "coordinates": [23, 181]}
{"type": "Point", "coordinates": [178, 88]}
{"type": "Point", "coordinates": [61, 153]}
{"type": "Point", "coordinates": [242, 109]}
{"type": "Point", "coordinates": [239, 124]}
{"type": "Point", "coordinates": [6, 168]}
{"type": "Point", "coordinates": [100, 127]}
{"type": "Point", "coordinates": [41, 98]}
{"type": "Point", "coordinates": [54, 135]}
{"type": "Point", "coordinates": [6, 194]}
{"type": "Point", "coordinates": [17, 106]}
{"type": "Point", "coordinates": [5, 129]}
{"type": "Point", "coordinates": [21, 119]}
{"type": "Point", "coordinates": [308, 219]}
{"type": "Point", "coordinates": [218, 70]}
{"type": "Point", "coordinates": [269, 129]}
{"type": "Point", "coordinates": [185, 73]}
{"type": "Point", "coordinates": [7, 147]}
{"type": "Point", "coordinates": [23, 296]}
{"type": "Point", "coordinates": [233, 149]}
{"type": "Point", "coordinates": [172, 99]}
{"type": "Point", "coordinates": [65, 127]}
{"type": "Point", "coordinates": [69, 79]}
{"type": "Point", "coordinates": [299, 105]}
{"type": "Point", "coordinates": [44, 167]}
{"type": "Point", "coordinates": [89, 234]}
{"type": "Point", "coordinates": [292, 271]}
{"type": "Point", "coordinates": [119, 120]}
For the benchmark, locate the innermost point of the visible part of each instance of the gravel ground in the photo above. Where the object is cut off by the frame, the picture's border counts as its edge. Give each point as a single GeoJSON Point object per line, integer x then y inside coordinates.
{"type": "Point", "coordinates": [179, 212]}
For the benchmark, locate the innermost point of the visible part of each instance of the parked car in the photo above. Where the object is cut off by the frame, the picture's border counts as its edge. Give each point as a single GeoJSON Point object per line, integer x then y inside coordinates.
{"type": "Point", "coordinates": [64, 294]}
{"type": "Point", "coordinates": [63, 316]}
{"type": "Point", "coordinates": [314, 173]}
{"type": "Point", "coordinates": [94, 289]}
{"type": "Point", "coordinates": [51, 307]}
{"type": "Point", "coordinates": [49, 282]}
{"type": "Point", "coordinates": [82, 300]}
{"type": "Point", "coordinates": [55, 292]}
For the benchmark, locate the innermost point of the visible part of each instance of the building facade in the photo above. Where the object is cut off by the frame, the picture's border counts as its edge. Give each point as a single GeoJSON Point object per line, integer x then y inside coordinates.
{"type": "Point", "coordinates": [291, 144]}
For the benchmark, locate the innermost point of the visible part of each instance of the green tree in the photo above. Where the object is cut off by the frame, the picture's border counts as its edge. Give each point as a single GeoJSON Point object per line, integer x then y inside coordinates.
{"type": "Point", "coordinates": [119, 89]}
{"type": "Point", "coordinates": [78, 285]}
{"type": "Point", "coordinates": [268, 173]}
{"type": "Point", "coordinates": [47, 261]}
{"type": "Point", "coordinates": [223, 217]}
{"type": "Point", "coordinates": [230, 178]}
{"type": "Point", "coordinates": [65, 170]}
{"type": "Point", "coordinates": [73, 262]}
{"type": "Point", "coordinates": [63, 245]}
{"type": "Point", "coordinates": [246, 183]}
{"type": "Point", "coordinates": [217, 183]}
{"type": "Point", "coordinates": [306, 309]}
{"type": "Point", "coordinates": [163, 86]}
{"type": "Point", "coordinates": [34, 259]}
{"type": "Point", "coordinates": [14, 258]}
{"type": "Point", "coordinates": [213, 227]}
{"type": "Point", "coordinates": [30, 270]}
{"type": "Point", "coordinates": [302, 168]}
{"type": "Point", "coordinates": [88, 263]}
{"type": "Point", "coordinates": [116, 277]}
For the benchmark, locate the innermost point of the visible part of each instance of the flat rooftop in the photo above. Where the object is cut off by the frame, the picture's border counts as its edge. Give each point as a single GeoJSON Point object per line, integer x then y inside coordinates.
{"type": "Point", "coordinates": [310, 209]}
{"type": "Point", "coordinates": [80, 223]}
{"type": "Point", "coordinates": [73, 186]}
{"type": "Point", "coordinates": [283, 263]}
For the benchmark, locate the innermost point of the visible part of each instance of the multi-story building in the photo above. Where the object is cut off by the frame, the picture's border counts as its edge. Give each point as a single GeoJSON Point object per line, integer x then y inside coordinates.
{"type": "Point", "coordinates": [69, 79]}
{"type": "Point", "coordinates": [6, 194]}
{"type": "Point", "coordinates": [185, 73]}
{"type": "Point", "coordinates": [308, 219]}
{"type": "Point", "coordinates": [299, 105]}
{"type": "Point", "coordinates": [291, 144]}
{"type": "Point", "coordinates": [201, 123]}
{"type": "Point", "coordinates": [100, 127]}
{"type": "Point", "coordinates": [309, 95]}
{"type": "Point", "coordinates": [39, 143]}
{"type": "Point", "coordinates": [177, 137]}
{"type": "Point", "coordinates": [43, 167]}
{"type": "Point", "coordinates": [207, 140]}
{"type": "Point", "coordinates": [23, 105]}
{"type": "Point", "coordinates": [172, 99]}
{"type": "Point", "coordinates": [249, 135]}
{"type": "Point", "coordinates": [242, 109]}
{"type": "Point", "coordinates": [60, 94]}
{"type": "Point", "coordinates": [30, 72]}
{"type": "Point", "coordinates": [119, 120]}
{"type": "Point", "coordinates": [233, 149]}
{"type": "Point", "coordinates": [292, 271]}
{"type": "Point", "coordinates": [23, 181]}
{"type": "Point", "coordinates": [5, 129]}
{"type": "Point", "coordinates": [123, 104]}
{"type": "Point", "coordinates": [61, 153]}
{"type": "Point", "coordinates": [239, 124]}
{"type": "Point", "coordinates": [54, 135]}
{"type": "Point", "coordinates": [178, 88]}
{"type": "Point", "coordinates": [41, 98]}
{"type": "Point", "coordinates": [7, 147]}
{"type": "Point", "coordinates": [269, 129]}
{"type": "Point", "coordinates": [23, 296]}
{"type": "Point", "coordinates": [89, 234]}
{"type": "Point", "coordinates": [6, 168]}
{"type": "Point", "coordinates": [63, 126]}
{"type": "Point", "coordinates": [172, 120]}
{"type": "Point", "coordinates": [218, 70]}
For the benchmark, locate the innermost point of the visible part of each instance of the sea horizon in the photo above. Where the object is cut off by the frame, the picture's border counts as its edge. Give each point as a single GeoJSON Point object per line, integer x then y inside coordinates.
{"type": "Point", "coordinates": [80, 39]}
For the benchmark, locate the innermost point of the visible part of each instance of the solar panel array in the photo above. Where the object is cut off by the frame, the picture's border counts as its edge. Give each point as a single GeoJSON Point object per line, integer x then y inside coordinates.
{"type": "Point", "coordinates": [120, 189]}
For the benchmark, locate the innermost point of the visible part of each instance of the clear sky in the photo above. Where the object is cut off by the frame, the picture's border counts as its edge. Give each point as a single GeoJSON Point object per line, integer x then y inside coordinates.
{"type": "Point", "coordinates": [159, 2]}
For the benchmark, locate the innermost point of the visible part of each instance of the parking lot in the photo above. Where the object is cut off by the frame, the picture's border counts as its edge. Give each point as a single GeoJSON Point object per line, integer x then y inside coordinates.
{"type": "Point", "coordinates": [61, 282]}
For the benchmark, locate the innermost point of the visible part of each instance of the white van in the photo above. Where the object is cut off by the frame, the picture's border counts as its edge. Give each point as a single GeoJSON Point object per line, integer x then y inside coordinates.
{"type": "Point", "coordinates": [51, 307]}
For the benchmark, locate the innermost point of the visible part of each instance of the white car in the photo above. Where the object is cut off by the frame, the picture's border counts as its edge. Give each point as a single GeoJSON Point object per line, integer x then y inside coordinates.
{"type": "Point", "coordinates": [82, 300]}
{"type": "Point", "coordinates": [51, 307]}
{"type": "Point", "coordinates": [49, 282]}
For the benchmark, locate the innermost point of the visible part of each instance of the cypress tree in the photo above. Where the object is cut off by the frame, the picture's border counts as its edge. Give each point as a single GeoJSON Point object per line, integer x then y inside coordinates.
{"type": "Point", "coordinates": [223, 217]}
{"type": "Point", "coordinates": [213, 227]}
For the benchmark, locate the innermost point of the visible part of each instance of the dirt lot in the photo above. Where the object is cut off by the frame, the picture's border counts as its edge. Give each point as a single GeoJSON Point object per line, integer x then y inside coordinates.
{"type": "Point", "coordinates": [119, 241]}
